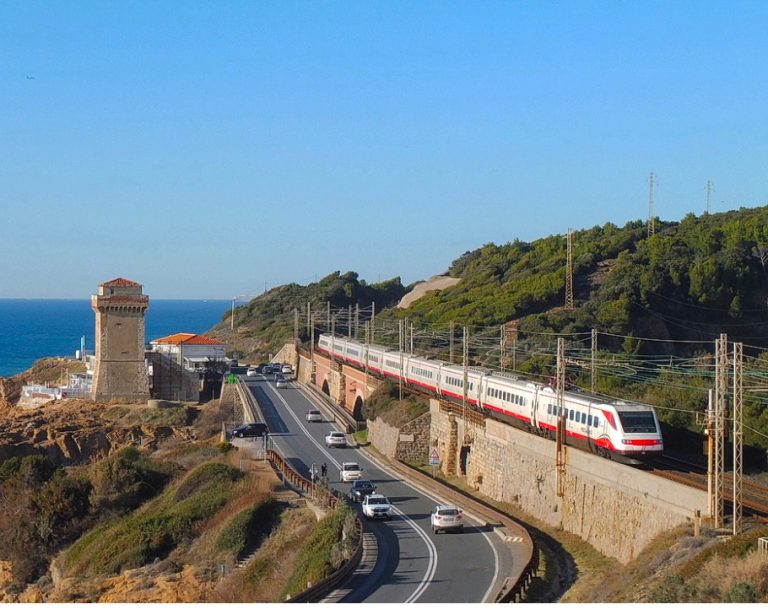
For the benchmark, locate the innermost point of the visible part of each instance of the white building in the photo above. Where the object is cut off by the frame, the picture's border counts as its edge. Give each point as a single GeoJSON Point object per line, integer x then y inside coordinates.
{"type": "Point", "coordinates": [190, 350]}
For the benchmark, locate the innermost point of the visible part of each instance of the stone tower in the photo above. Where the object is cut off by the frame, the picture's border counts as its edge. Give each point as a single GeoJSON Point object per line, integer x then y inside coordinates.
{"type": "Point", "coordinates": [120, 371]}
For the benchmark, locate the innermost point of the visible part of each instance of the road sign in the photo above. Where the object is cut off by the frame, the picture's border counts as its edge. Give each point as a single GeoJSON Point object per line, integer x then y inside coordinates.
{"type": "Point", "coordinates": [434, 458]}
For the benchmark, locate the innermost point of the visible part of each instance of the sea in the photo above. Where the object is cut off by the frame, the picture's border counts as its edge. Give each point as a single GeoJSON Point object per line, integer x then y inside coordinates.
{"type": "Point", "coordinates": [31, 329]}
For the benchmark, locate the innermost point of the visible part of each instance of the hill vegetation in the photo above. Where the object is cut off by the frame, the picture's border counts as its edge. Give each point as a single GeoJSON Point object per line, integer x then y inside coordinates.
{"type": "Point", "coordinates": [261, 327]}
{"type": "Point", "coordinates": [656, 305]}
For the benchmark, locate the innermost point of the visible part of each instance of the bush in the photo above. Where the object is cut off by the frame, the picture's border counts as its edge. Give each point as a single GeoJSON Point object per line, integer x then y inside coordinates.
{"type": "Point", "coordinates": [31, 471]}
{"type": "Point", "coordinates": [247, 527]}
{"type": "Point", "coordinates": [741, 592]}
{"type": "Point", "coordinates": [127, 478]}
{"type": "Point", "coordinates": [155, 530]}
{"type": "Point", "coordinates": [325, 550]}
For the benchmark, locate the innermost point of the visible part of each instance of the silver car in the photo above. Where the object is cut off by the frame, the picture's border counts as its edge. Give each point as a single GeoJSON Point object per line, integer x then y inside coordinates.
{"type": "Point", "coordinates": [335, 438]}
{"type": "Point", "coordinates": [447, 518]}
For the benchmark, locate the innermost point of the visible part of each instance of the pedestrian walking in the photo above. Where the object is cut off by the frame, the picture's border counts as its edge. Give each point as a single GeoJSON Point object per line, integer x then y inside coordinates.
{"type": "Point", "coordinates": [323, 470]}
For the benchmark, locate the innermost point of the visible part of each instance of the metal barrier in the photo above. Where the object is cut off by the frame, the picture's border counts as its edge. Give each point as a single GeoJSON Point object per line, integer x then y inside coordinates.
{"type": "Point", "coordinates": [329, 498]}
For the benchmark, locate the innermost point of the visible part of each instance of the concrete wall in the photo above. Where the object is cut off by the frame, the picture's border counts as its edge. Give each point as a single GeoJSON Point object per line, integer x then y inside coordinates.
{"type": "Point", "coordinates": [616, 508]}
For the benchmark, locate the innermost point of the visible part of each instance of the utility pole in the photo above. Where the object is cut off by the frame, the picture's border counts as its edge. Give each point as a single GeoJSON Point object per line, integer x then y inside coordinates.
{"type": "Point", "coordinates": [309, 314]}
{"type": "Point", "coordinates": [594, 358]}
{"type": "Point", "coordinates": [295, 325]}
{"type": "Point", "coordinates": [357, 319]}
{"type": "Point", "coordinates": [651, 223]}
{"type": "Point", "coordinates": [313, 368]}
{"type": "Point", "coordinates": [373, 317]}
{"type": "Point", "coordinates": [450, 345]}
{"type": "Point", "coordinates": [400, 349]}
{"type": "Point", "coordinates": [569, 271]}
{"type": "Point", "coordinates": [349, 321]}
{"type": "Point", "coordinates": [502, 344]}
{"type": "Point", "coordinates": [411, 337]}
{"type": "Point", "coordinates": [465, 392]}
{"type": "Point", "coordinates": [721, 391]}
{"type": "Point", "coordinates": [738, 435]}
{"type": "Point", "coordinates": [328, 316]}
{"type": "Point", "coordinates": [709, 193]}
{"type": "Point", "coordinates": [560, 435]}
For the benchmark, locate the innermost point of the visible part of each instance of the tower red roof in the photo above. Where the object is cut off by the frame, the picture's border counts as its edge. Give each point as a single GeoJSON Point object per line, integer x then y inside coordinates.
{"type": "Point", "coordinates": [120, 282]}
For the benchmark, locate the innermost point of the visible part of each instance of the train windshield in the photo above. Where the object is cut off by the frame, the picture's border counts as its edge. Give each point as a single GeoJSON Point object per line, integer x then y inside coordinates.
{"type": "Point", "coordinates": [637, 422]}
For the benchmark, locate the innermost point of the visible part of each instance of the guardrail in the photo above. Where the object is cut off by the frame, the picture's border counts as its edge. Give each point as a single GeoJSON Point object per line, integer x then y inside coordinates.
{"type": "Point", "coordinates": [514, 589]}
{"type": "Point", "coordinates": [320, 399]}
{"type": "Point", "coordinates": [329, 498]}
{"type": "Point", "coordinates": [251, 409]}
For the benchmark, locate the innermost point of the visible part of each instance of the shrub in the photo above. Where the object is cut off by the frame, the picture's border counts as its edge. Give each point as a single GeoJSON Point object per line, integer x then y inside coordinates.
{"type": "Point", "coordinates": [741, 592]}
{"type": "Point", "coordinates": [127, 478]}
{"type": "Point", "coordinates": [325, 550]}
{"type": "Point", "coordinates": [247, 527]}
{"type": "Point", "coordinates": [153, 531]}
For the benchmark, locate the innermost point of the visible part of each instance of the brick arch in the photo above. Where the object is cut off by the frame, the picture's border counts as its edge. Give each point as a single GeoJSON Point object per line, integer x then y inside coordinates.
{"type": "Point", "coordinates": [357, 409]}
{"type": "Point", "coordinates": [326, 388]}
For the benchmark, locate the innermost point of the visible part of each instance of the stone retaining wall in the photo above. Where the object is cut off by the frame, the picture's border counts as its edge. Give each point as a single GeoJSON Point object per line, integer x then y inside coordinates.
{"type": "Point", "coordinates": [617, 508]}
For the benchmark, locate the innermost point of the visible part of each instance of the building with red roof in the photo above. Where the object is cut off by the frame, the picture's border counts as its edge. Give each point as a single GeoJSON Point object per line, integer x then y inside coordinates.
{"type": "Point", "coordinates": [191, 350]}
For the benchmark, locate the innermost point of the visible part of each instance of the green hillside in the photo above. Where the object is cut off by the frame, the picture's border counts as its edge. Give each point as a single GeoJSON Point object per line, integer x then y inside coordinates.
{"type": "Point", "coordinates": [263, 325]}
{"type": "Point", "coordinates": [655, 303]}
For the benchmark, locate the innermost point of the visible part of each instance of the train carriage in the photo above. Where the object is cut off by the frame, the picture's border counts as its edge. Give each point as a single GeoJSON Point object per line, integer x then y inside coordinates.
{"type": "Point", "coordinates": [510, 397]}
{"type": "Point", "coordinates": [354, 353]}
{"type": "Point", "coordinates": [423, 372]}
{"type": "Point", "coordinates": [624, 431]}
{"type": "Point", "coordinates": [451, 382]}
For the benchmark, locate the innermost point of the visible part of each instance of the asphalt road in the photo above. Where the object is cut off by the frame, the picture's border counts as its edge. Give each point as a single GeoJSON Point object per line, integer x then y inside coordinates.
{"type": "Point", "coordinates": [413, 565]}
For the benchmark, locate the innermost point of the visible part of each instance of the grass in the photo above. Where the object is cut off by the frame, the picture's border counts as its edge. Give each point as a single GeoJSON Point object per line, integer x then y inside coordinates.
{"type": "Point", "coordinates": [157, 528]}
{"type": "Point", "coordinates": [324, 551]}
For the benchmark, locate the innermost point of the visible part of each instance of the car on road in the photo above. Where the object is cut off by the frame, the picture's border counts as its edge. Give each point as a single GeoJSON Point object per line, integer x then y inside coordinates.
{"type": "Point", "coordinates": [314, 416]}
{"type": "Point", "coordinates": [350, 471]}
{"type": "Point", "coordinates": [250, 430]}
{"type": "Point", "coordinates": [281, 384]}
{"type": "Point", "coordinates": [376, 507]}
{"type": "Point", "coordinates": [335, 438]}
{"type": "Point", "coordinates": [447, 518]}
{"type": "Point", "coordinates": [286, 369]}
{"type": "Point", "coordinates": [360, 489]}
{"type": "Point", "coordinates": [279, 377]}
{"type": "Point", "coordinates": [252, 371]}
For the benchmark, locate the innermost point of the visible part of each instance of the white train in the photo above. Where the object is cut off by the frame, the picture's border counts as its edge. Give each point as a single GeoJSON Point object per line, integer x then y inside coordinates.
{"type": "Point", "coordinates": [620, 430]}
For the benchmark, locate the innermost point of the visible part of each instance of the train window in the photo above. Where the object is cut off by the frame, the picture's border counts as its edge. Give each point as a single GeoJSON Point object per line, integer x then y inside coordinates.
{"type": "Point", "coordinates": [570, 417]}
{"type": "Point", "coordinates": [584, 419]}
{"type": "Point", "coordinates": [578, 416]}
{"type": "Point", "coordinates": [596, 421]}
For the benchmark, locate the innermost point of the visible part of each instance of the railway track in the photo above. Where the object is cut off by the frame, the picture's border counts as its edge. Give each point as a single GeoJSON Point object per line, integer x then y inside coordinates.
{"type": "Point", "coordinates": [754, 494]}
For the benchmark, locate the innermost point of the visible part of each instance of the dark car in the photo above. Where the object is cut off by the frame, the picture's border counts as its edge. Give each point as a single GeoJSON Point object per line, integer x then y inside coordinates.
{"type": "Point", "coordinates": [361, 488]}
{"type": "Point", "coordinates": [250, 430]}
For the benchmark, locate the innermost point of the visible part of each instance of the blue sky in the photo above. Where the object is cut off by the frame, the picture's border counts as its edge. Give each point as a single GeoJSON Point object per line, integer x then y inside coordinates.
{"type": "Point", "coordinates": [209, 149]}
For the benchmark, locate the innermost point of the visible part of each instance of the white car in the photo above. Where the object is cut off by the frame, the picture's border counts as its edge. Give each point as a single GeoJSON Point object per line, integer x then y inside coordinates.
{"type": "Point", "coordinates": [446, 517]}
{"type": "Point", "coordinates": [335, 438]}
{"type": "Point", "coordinates": [350, 471]}
{"type": "Point", "coordinates": [251, 371]}
{"type": "Point", "coordinates": [314, 416]}
{"type": "Point", "coordinates": [286, 369]}
{"type": "Point", "coordinates": [376, 506]}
